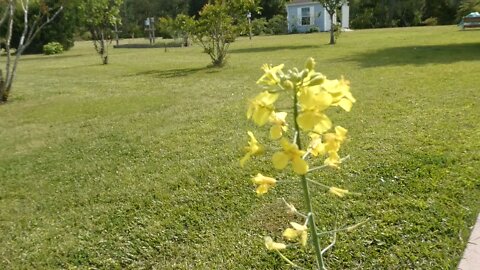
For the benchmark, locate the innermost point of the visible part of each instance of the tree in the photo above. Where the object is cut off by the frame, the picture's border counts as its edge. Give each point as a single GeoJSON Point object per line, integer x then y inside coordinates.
{"type": "Point", "coordinates": [60, 30]}
{"type": "Point", "coordinates": [195, 6]}
{"type": "Point", "coordinates": [271, 8]}
{"type": "Point", "coordinates": [218, 26]}
{"type": "Point", "coordinates": [442, 10]}
{"type": "Point", "coordinates": [468, 6]}
{"type": "Point", "coordinates": [100, 16]}
{"type": "Point", "coordinates": [332, 6]}
{"type": "Point", "coordinates": [31, 29]}
{"type": "Point", "coordinates": [214, 31]}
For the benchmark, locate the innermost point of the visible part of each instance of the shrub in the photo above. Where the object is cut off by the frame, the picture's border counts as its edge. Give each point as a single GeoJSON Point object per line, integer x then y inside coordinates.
{"type": "Point", "coordinates": [278, 25]}
{"type": "Point", "coordinates": [52, 48]}
{"type": "Point", "coordinates": [313, 29]}
{"type": "Point", "coordinates": [431, 21]}
{"type": "Point", "coordinates": [259, 27]}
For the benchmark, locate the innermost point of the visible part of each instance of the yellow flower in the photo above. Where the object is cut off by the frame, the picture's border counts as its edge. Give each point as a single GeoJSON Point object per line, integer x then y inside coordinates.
{"type": "Point", "coordinates": [338, 191]}
{"type": "Point", "coordinates": [253, 149]}
{"type": "Point", "coordinates": [334, 140]}
{"type": "Point", "coordinates": [313, 101]}
{"type": "Point", "coordinates": [273, 245]}
{"type": "Point", "coordinates": [279, 125]}
{"type": "Point", "coordinates": [264, 183]}
{"type": "Point", "coordinates": [290, 153]}
{"type": "Point", "coordinates": [297, 232]}
{"type": "Point", "coordinates": [272, 75]}
{"type": "Point", "coordinates": [314, 98]}
{"type": "Point", "coordinates": [261, 108]}
{"type": "Point", "coordinates": [332, 145]}
{"type": "Point", "coordinates": [333, 160]}
{"type": "Point", "coordinates": [340, 91]}
{"type": "Point", "coordinates": [316, 147]}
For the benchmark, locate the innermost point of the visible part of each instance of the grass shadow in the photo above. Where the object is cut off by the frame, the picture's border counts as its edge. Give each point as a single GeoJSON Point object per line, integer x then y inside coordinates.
{"type": "Point", "coordinates": [174, 73]}
{"type": "Point", "coordinates": [51, 57]}
{"type": "Point", "coordinates": [419, 55]}
{"type": "Point", "coordinates": [271, 49]}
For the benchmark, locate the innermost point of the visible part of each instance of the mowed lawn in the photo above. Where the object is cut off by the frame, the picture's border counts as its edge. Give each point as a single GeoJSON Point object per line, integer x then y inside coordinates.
{"type": "Point", "coordinates": [134, 165]}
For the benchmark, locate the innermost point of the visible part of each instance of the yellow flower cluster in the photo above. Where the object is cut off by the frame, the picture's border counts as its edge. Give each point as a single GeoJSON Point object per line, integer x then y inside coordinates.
{"type": "Point", "coordinates": [264, 183]}
{"type": "Point", "coordinates": [253, 149]}
{"type": "Point", "coordinates": [298, 233]}
{"type": "Point", "coordinates": [328, 144]}
{"type": "Point", "coordinates": [290, 153]}
{"type": "Point", "coordinates": [313, 94]}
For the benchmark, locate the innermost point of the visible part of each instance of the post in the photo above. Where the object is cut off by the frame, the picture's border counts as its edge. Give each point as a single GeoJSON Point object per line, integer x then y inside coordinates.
{"type": "Point", "coordinates": [345, 16]}
{"type": "Point", "coordinates": [116, 34]}
{"type": "Point", "coordinates": [249, 17]}
{"type": "Point", "coordinates": [152, 28]}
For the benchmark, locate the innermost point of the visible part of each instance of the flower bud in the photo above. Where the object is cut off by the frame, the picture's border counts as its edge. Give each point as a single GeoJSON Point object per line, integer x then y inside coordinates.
{"type": "Point", "coordinates": [317, 79]}
{"type": "Point", "coordinates": [310, 64]}
{"type": "Point", "coordinates": [288, 85]}
{"type": "Point", "coordinates": [303, 74]}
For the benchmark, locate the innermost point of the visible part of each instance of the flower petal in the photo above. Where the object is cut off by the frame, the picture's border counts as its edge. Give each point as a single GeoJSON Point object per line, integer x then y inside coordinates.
{"type": "Point", "coordinates": [276, 132]}
{"type": "Point", "coordinates": [290, 234]}
{"type": "Point", "coordinates": [345, 104]}
{"type": "Point", "coordinates": [300, 166]}
{"type": "Point", "coordinates": [280, 160]}
{"type": "Point", "coordinates": [298, 227]}
{"type": "Point", "coordinates": [273, 245]}
{"type": "Point", "coordinates": [262, 189]}
{"type": "Point", "coordinates": [304, 238]}
{"type": "Point", "coordinates": [323, 124]}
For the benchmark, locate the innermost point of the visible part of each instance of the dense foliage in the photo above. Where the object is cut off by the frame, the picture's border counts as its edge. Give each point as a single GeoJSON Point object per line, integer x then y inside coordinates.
{"type": "Point", "coordinates": [61, 30]}
{"type": "Point", "coordinates": [132, 13]}
{"type": "Point", "coordinates": [99, 17]}
{"type": "Point", "coordinates": [390, 13]}
{"type": "Point", "coordinates": [52, 48]}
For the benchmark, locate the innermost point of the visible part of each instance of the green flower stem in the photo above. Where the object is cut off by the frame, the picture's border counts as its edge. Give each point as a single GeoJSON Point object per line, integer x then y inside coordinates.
{"type": "Point", "coordinates": [312, 225]}
{"type": "Point", "coordinates": [306, 192]}
{"type": "Point", "coordinates": [289, 261]}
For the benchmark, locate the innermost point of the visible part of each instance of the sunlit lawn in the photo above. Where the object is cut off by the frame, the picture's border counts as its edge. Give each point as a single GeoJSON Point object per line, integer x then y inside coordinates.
{"type": "Point", "coordinates": [135, 164]}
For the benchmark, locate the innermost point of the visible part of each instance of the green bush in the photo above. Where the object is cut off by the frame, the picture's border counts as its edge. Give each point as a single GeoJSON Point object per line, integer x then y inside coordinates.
{"type": "Point", "coordinates": [52, 48]}
{"type": "Point", "coordinates": [278, 25]}
{"type": "Point", "coordinates": [259, 27]}
{"type": "Point", "coordinates": [313, 29]}
{"type": "Point", "coordinates": [431, 21]}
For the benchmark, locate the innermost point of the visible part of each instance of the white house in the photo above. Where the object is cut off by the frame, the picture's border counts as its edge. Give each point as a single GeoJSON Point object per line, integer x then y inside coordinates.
{"type": "Point", "coordinates": [306, 15]}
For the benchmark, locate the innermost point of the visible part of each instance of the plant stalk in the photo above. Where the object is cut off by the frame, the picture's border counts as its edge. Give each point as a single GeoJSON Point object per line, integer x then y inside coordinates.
{"type": "Point", "coordinates": [306, 193]}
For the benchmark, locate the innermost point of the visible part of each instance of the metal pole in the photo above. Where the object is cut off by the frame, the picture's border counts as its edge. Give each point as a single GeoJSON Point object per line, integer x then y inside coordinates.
{"type": "Point", "coordinates": [249, 16]}
{"type": "Point", "coordinates": [116, 34]}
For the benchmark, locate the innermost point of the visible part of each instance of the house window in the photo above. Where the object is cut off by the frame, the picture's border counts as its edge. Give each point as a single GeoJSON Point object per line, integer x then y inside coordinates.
{"type": "Point", "coordinates": [306, 16]}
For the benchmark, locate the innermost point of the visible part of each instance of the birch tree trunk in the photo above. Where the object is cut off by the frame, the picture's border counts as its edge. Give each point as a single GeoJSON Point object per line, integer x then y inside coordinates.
{"type": "Point", "coordinates": [332, 29]}
{"type": "Point", "coordinates": [30, 31]}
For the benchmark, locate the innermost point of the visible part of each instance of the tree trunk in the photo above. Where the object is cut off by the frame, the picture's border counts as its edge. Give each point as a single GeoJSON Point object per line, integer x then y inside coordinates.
{"type": "Point", "coordinates": [332, 30]}
{"type": "Point", "coordinates": [105, 59]}
{"type": "Point", "coordinates": [103, 49]}
{"type": "Point", "coordinates": [3, 89]}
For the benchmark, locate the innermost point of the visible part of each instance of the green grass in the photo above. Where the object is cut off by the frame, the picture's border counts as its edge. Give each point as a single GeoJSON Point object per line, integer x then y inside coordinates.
{"type": "Point", "coordinates": [135, 164]}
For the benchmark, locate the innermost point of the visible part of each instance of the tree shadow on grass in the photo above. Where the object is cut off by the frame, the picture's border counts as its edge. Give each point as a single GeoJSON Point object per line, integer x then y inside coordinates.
{"type": "Point", "coordinates": [419, 55]}
{"type": "Point", "coordinates": [45, 57]}
{"type": "Point", "coordinates": [273, 48]}
{"type": "Point", "coordinates": [173, 73]}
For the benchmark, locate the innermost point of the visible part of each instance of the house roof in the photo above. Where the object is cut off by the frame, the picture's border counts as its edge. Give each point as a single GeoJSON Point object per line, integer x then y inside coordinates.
{"type": "Point", "coordinates": [299, 2]}
{"type": "Point", "coordinates": [293, 2]}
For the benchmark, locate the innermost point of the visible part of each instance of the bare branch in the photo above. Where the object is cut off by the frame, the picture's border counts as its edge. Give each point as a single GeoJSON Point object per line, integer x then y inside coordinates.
{"type": "Point", "coordinates": [36, 31]}
{"type": "Point", "coordinates": [8, 77]}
